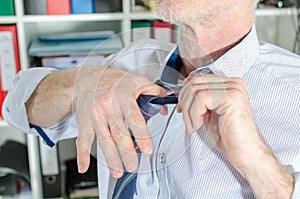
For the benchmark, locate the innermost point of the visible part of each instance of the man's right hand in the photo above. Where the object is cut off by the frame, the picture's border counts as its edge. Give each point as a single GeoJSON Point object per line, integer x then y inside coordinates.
{"type": "Point", "coordinates": [104, 101]}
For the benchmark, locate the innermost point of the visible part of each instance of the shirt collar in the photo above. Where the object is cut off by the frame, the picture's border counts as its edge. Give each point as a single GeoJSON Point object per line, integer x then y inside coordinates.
{"type": "Point", "coordinates": [237, 61]}
{"type": "Point", "coordinates": [234, 63]}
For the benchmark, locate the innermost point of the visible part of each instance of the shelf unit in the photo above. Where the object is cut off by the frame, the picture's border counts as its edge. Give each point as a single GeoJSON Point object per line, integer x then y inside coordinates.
{"type": "Point", "coordinates": [31, 26]}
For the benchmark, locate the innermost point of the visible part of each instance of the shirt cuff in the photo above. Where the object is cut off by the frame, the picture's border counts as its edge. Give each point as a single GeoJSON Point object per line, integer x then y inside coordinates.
{"type": "Point", "coordinates": [296, 193]}
{"type": "Point", "coordinates": [24, 84]}
{"type": "Point", "coordinates": [65, 129]}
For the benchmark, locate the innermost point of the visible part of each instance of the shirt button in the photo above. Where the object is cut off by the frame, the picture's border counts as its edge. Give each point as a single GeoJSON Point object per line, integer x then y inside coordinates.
{"type": "Point", "coordinates": [7, 109]}
{"type": "Point", "coordinates": [162, 158]}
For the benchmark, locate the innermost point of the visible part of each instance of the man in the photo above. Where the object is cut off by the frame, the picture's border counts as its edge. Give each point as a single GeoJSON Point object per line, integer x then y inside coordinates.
{"type": "Point", "coordinates": [233, 134]}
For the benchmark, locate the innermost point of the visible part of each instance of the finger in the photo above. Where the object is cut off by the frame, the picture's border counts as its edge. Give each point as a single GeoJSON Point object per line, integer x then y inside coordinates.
{"type": "Point", "coordinates": [83, 146]}
{"type": "Point", "coordinates": [150, 89]}
{"type": "Point", "coordinates": [109, 148]}
{"type": "Point", "coordinates": [196, 117]}
{"type": "Point", "coordinates": [164, 110]}
{"type": "Point", "coordinates": [185, 102]}
{"type": "Point", "coordinates": [138, 127]}
{"type": "Point", "coordinates": [122, 138]}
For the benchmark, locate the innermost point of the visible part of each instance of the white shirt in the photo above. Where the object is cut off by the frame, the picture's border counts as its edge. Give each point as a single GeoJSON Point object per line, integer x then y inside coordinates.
{"type": "Point", "coordinates": [184, 166]}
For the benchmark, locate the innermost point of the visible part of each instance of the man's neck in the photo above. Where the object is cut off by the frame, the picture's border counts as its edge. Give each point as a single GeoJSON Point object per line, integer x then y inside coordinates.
{"type": "Point", "coordinates": [200, 44]}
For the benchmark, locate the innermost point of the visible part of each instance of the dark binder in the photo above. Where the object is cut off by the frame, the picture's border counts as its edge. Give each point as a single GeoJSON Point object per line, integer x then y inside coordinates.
{"type": "Point", "coordinates": [35, 7]}
{"type": "Point", "coordinates": [50, 169]}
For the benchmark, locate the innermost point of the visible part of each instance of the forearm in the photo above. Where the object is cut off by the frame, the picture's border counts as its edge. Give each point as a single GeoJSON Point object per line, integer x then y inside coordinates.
{"type": "Point", "coordinates": [268, 178]}
{"type": "Point", "coordinates": [52, 99]}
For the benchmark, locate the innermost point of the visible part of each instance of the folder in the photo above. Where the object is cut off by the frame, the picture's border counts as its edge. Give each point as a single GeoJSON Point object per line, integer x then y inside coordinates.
{"type": "Point", "coordinates": [57, 7]}
{"type": "Point", "coordinates": [76, 44]}
{"type": "Point", "coordinates": [50, 169]}
{"type": "Point", "coordinates": [63, 63]}
{"type": "Point", "coordinates": [7, 7]}
{"type": "Point", "coordinates": [82, 6]}
{"type": "Point", "coordinates": [141, 30]}
{"type": "Point", "coordinates": [163, 31]}
{"type": "Point", "coordinates": [9, 59]}
{"type": "Point", "coordinates": [35, 7]}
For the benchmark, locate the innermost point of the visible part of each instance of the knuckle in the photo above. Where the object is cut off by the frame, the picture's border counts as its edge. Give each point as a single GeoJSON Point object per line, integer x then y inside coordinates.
{"type": "Point", "coordinates": [234, 94]}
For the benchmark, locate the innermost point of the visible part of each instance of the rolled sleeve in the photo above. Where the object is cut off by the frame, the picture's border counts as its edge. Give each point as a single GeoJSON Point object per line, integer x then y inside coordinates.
{"type": "Point", "coordinates": [24, 84]}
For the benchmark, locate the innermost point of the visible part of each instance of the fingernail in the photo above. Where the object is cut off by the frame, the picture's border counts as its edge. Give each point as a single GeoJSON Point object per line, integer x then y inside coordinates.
{"type": "Point", "coordinates": [116, 174]}
{"type": "Point", "coordinates": [80, 168]}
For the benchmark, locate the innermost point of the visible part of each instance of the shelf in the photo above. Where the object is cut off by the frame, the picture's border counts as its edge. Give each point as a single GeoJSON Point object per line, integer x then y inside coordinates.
{"type": "Point", "coordinates": [74, 17]}
{"type": "Point", "coordinates": [143, 16]}
{"type": "Point", "coordinates": [3, 124]}
{"type": "Point", "coordinates": [272, 11]}
{"type": "Point", "coordinates": [8, 19]}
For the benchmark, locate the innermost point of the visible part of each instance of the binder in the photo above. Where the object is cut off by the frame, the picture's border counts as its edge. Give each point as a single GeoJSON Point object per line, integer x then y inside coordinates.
{"type": "Point", "coordinates": [176, 33]}
{"type": "Point", "coordinates": [57, 7]}
{"type": "Point", "coordinates": [9, 59]}
{"type": "Point", "coordinates": [102, 6]}
{"type": "Point", "coordinates": [141, 30]}
{"type": "Point", "coordinates": [82, 6]}
{"type": "Point", "coordinates": [7, 7]}
{"type": "Point", "coordinates": [163, 31]}
{"type": "Point", "coordinates": [35, 7]}
{"type": "Point", "coordinates": [50, 169]}
{"type": "Point", "coordinates": [76, 44]}
{"type": "Point", "coordinates": [63, 63]}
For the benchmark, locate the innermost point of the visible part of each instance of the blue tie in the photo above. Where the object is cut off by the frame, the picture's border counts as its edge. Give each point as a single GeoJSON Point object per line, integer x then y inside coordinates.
{"type": "Point", "coordinates": [149, 106]}
{"type": "Point", "coordinates": [126, 185]}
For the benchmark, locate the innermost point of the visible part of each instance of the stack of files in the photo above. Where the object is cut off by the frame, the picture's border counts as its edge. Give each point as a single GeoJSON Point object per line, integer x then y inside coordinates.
{"type": "Point", "coordinates": [7, 7]}
{"type": "Point", "coordinates": [84, 43]}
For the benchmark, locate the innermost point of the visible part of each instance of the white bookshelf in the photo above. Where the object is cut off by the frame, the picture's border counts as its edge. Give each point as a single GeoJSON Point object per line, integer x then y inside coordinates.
{"type": "Point", "coordinates": [31, 26]}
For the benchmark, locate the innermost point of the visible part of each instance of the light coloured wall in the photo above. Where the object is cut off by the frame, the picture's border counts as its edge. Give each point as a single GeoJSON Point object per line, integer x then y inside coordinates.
{"type": "Point", "coordinates": [279, 30]}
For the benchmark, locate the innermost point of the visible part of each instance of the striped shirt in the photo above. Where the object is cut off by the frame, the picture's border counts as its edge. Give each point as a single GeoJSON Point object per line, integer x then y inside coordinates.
{"type": "Point", "coordinates": [184, 166]}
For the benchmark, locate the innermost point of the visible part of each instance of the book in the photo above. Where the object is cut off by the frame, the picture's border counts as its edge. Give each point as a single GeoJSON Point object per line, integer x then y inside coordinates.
{"type": "Point", "coordinates": [57, 7]}
{"type": "Point", "coordinates": [79, 45]}
{"type": "Point", "coordinates": [141, 30]}
{"type": "Point", "coordinates": [7, 7]}
{"type": "Point", "coordinates": [82, 6]}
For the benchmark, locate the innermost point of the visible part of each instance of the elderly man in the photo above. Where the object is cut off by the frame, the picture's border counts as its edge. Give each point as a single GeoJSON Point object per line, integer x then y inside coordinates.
{"type": "Point", "coordinates": [233, 134]}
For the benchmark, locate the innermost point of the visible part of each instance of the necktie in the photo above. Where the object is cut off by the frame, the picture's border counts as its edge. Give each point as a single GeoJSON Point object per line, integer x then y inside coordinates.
{"type": "Point", "coordinates": [150, 106]}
